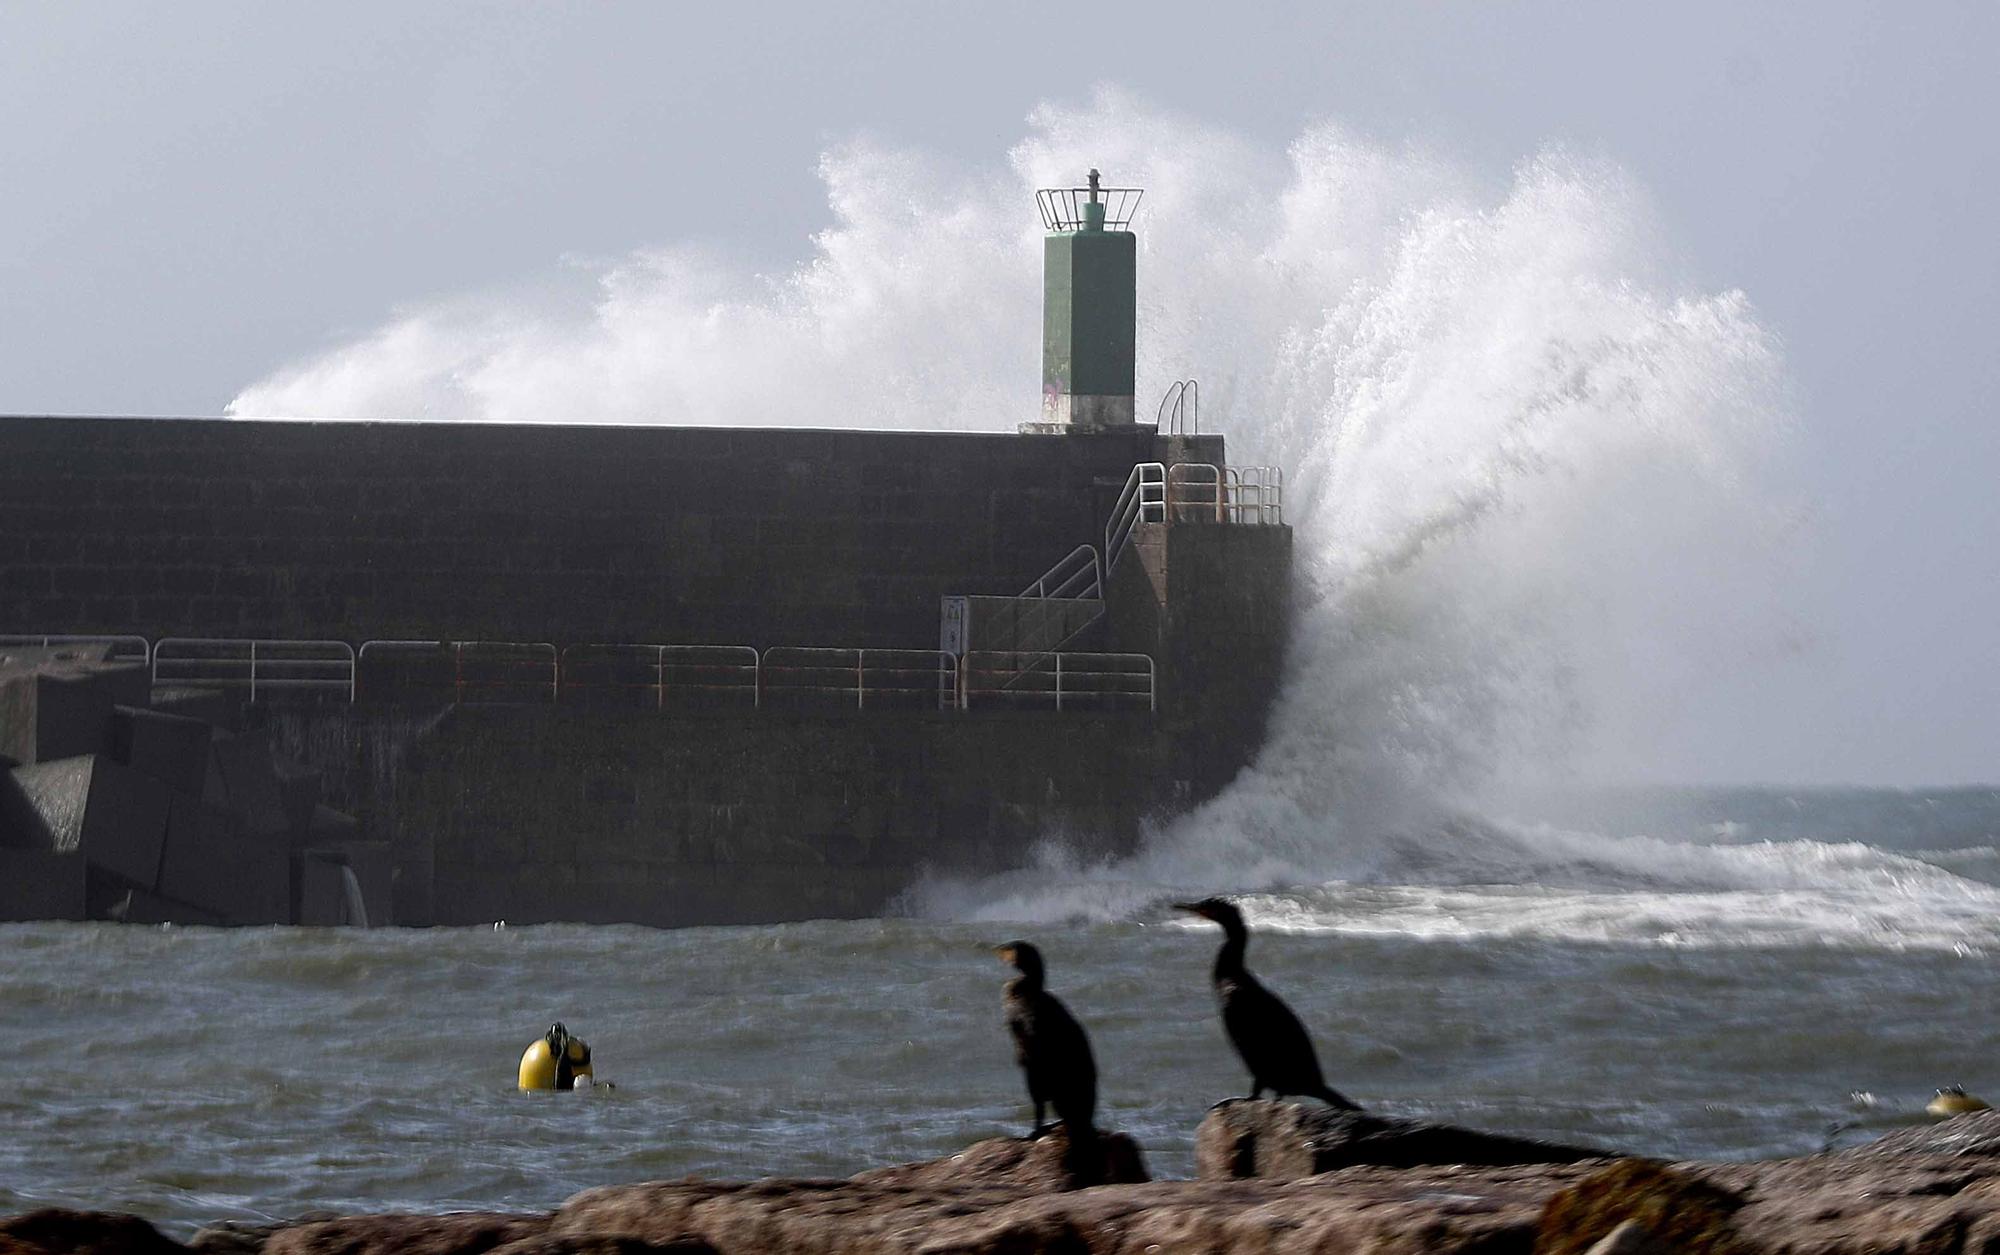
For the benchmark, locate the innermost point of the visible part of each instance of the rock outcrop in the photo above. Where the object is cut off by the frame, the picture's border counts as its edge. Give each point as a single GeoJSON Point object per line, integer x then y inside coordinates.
{"type": "Point", "coordinates": [1929, 1191]}
{"type": "Point", "coordinates": [60, 1231]}
{"type": "Point", "coordinates": [1282, 1141]}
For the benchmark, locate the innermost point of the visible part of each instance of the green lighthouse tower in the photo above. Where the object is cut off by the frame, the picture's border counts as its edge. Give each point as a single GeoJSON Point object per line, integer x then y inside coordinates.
{"type": "Point", "coordinates": [1089, 306]}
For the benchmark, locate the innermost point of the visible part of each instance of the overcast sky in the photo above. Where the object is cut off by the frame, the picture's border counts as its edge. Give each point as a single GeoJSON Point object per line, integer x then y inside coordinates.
{"type": "Point", "coordinates": [193, 197]}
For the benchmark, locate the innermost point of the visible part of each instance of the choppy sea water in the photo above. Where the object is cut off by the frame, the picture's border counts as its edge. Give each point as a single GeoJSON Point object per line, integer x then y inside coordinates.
{"type": "Point", "coordinates": [193, 1074]}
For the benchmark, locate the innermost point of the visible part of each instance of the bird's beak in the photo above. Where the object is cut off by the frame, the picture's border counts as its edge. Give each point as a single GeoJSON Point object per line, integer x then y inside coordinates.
{"type": "Point", "coordinates": [1192, 908]}
{"type": "Point", "coordinates": [1005, 953]}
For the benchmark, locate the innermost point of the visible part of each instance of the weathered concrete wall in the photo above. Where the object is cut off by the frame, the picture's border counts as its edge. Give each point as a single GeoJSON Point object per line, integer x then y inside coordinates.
{"type": "Point", "coordinates": [1211, 604]}
{"type": "Point", "coordinates": [197, 527]}
{"type": "Point", "coordinates": [528, 814]}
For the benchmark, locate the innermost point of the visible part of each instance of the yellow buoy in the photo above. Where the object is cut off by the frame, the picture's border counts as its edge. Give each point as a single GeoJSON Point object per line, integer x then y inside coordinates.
{"type": "Point", "coordinates": [557, 1061]}
{"type": "Point", "coordinates": [1952, 1100]}
{"type": "Point", "coordinates": [538, 1066]}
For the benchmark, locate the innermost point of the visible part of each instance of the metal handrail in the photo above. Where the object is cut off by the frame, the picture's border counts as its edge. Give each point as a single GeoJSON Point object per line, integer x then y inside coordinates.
{"type": "Point", "coordinates": [1143, 499]}
{"type": "Point", "coordinates": [1180, 409]}
{"type": "Point", "coordinates": [818, 673]}
{"type": "Point", "coordinates": [1077, 576]}
{"type": "Point", "coordinates": [116, 643]}
{"type": "Point", "coordinates": [1256, 494]}
{"type": "Point", "coordinates": [873, 677]}
{"type": "Point", "coordinates": [504, 667]}
{"type": "Point", "coordinates": [1195, 491]}
{"type": "Point", "coordinates": [701, 670]}
{"type": "Point", "coordinates": [1058, 679]}
{"type": "Point", "coordinates": [235, 662]}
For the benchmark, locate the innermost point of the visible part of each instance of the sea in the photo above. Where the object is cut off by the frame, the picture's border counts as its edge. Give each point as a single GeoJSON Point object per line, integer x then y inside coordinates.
{"type": "Point", "coordinates": [1759, 973]}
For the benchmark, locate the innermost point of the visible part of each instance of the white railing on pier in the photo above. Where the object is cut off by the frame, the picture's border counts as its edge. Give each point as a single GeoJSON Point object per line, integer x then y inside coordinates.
{"type": "Point", "coordinates": [1076, 577]}
{"type": "Point", "coordinates": [660, 676]}
{"type": "Point", "coordinates": [1143, 500]}
{"type": "Point", "coordinates": [1047, 612]}
{"type": "Point", "coordinates": [1195, 493]}
{"type": "Point", "coordinates": [265, 668]}
{"type": "Point", "coordinates": [1255, 494]}
{"type": "Point", "coordinates": [793, 676]}
{"type": "Point", "coordinates": [1057, 681]}
{"type": "Point", "coordinates": [655, 676]}
{"type": "Point", "coordinates": [463, 672]}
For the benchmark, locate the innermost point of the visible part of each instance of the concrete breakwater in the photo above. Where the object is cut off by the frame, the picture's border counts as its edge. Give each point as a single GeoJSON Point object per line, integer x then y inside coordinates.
{"type": "Point", "coordinates": [371, 566]}
{"type": "Point", "coordinates": [1928, 1189]}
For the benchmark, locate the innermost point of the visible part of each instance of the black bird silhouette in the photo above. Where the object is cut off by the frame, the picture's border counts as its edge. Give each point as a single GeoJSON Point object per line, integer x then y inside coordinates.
{"type": "Point", "coordinates": [1270, 1039]}
{"type": "Point", "coordinates": [1050, 1046]}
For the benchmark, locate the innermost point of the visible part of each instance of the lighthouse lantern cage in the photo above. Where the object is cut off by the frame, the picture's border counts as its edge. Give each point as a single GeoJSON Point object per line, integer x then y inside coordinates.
{"type": "Point", "coordinates": [1090, 208]}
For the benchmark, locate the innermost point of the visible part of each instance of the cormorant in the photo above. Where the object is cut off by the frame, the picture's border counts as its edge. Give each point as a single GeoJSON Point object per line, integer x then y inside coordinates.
{"type": "Point", "coordinates": [1050, 1046]}
{"type": "Point", "coordinates": [1270, 1039]}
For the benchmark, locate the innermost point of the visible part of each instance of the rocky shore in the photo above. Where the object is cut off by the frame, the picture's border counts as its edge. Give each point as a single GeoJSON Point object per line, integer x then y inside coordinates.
{"type": "Point", "coordinates": [1274, 1178]}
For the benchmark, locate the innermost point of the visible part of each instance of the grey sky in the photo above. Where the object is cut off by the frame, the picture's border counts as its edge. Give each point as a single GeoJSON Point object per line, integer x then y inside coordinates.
{"type": "Point", "coordinates": [193, 196]}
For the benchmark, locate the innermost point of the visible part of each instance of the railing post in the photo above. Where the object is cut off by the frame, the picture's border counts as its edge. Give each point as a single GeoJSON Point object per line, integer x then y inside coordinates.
{"type": "Point", "coordinates": [253, 673]}
{"type": "Point", "coordinates": [860, 678]}
{"type": "Point", "coordinates": [1058, 683]}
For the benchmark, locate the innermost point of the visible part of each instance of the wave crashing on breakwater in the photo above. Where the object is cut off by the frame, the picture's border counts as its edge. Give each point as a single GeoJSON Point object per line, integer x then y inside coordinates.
{"type": "Point", "coordinates": [1538, 479]}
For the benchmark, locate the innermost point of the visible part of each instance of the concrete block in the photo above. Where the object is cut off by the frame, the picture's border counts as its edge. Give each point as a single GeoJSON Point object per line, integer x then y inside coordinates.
{"type": "Point", "coordinates": [212, 863]}
{"type": "Point", "coordinates": [301, 788]}
{"type": "Point", "coordinates": [21, 824]}
{"type": "Point", "coordinates": [115, 816]}
{"type": "Point", "coordinates": [218, 707]}
{"type": "Point", "coordinates": [172, 749]}
{"type": "Point", "coordinates": [53, 705]}
{"type": "Point", "coordinates": [249, 784]}
{"type": "Point", "coordinates": [374, 866]}
{"type": "Point", "coordinates": [321, 877]}
{"type": "Point", "coordinates": [40, 884]}
{"type": "Point", "coordinates": [329, 827]}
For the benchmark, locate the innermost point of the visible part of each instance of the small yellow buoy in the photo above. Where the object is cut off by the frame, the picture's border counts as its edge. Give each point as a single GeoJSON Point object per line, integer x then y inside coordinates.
{"type": "Point", "coordinates": [1952, 1100]}
{"type": "Point", "coordinates": [555, 1061]}
{"type": "Point", "coordinates": [538, 1067]}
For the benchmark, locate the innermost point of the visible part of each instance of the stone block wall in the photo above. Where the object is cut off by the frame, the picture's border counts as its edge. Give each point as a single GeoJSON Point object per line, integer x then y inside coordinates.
{"type": "Point", "coordinates": [536, 814]}
{"type": "Point", "coordinates": [353, 531]}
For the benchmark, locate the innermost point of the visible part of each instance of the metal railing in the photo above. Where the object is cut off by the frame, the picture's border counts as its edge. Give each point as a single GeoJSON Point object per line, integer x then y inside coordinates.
{"type": "Point", "coordinates": [1180, 409]}
{"type": "Point", "coordinates": [123, 648]}
{"type": "Point", "coordinates": [1040, 626]}
{"type": "Point", "coordinates": [660, 676]}
{"type": "Point", "coordinates": [1255, 494]}
{"type": "Point", "coordinates": [1057, 681]}
{"type": "Point", "coordinates": [266, 668]}
{"type": "Point", "coordinates": [1143, 500]}
{"type": "Point", "coordinates": [799, 676]}
{"type": "Point", "coordinates": [463, 672]}
{"type": "Point", "coordinates": [1195, 493]}
{"type": "Point", "coordinates": [1088, 208]}
{"type": "Point", "coordinates": [651, 676]}
{"type": "Point", "coordinates": [1076, 576]}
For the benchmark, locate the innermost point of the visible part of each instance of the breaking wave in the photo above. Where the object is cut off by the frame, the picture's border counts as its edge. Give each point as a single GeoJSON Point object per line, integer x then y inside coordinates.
{"type": "Point", "coordinates": [1538, 484]}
